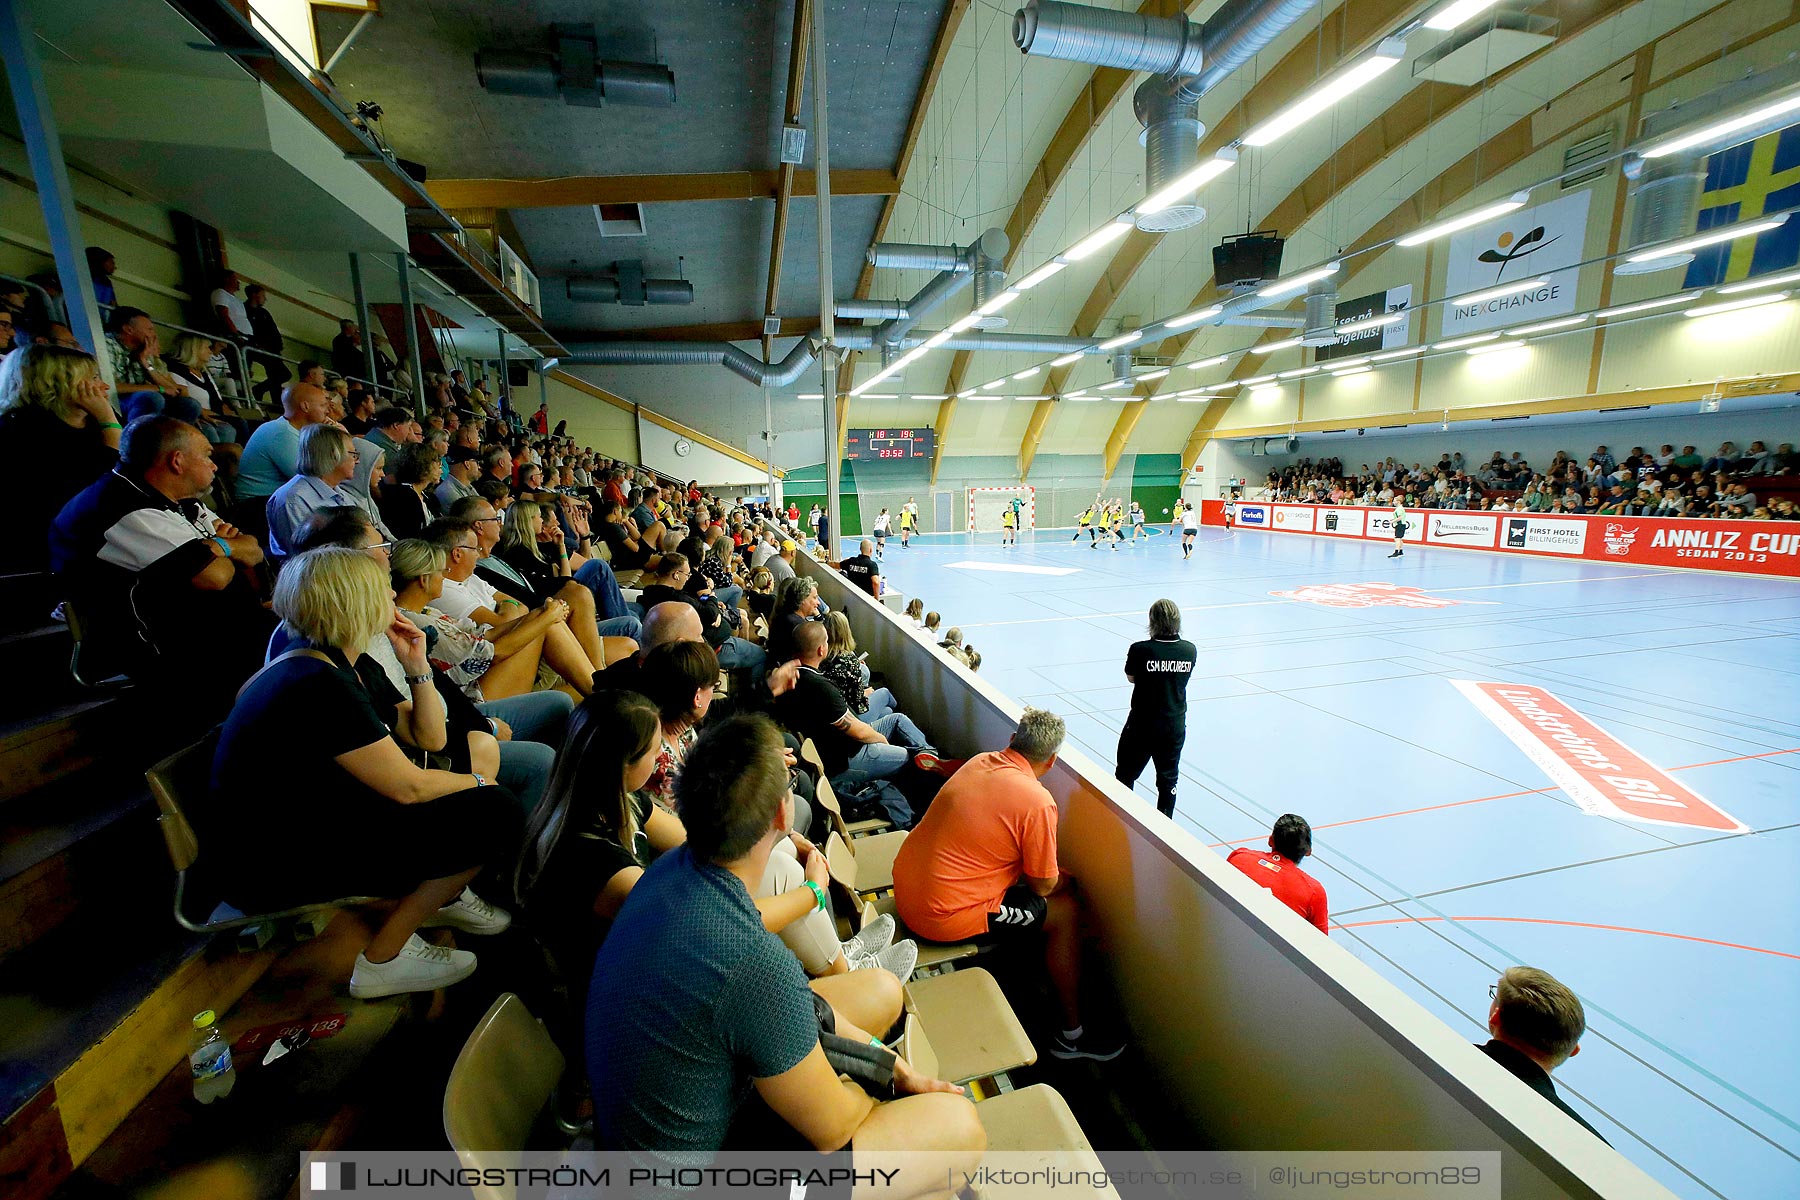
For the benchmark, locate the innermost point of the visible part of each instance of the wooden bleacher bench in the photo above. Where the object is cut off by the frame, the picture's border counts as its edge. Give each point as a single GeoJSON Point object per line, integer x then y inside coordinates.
{"type": "Point", "coordinates": [842, 862]}
{"type": "Point", "coordinates": [810, 753]}
{"type": "Point", "coordinates": [504, 1077]}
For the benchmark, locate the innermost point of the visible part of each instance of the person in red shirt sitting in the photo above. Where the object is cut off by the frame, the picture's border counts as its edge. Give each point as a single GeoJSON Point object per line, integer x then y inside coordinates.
{"type": "Point", "coordinates": [1279, 870]}
{"type": "Point", "coordinates": [981, 865]}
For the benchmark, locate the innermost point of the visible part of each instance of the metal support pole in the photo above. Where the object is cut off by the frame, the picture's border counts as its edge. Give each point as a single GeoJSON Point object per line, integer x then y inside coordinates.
{"type": "Point", "coordinates": [43, 149]}
{"type": "Point", "coordinates": [502, 385]}
{"type": "Point", "coordinates": [769, 442]}
{"type": "Point", "coordinates": [414, 363]}
{"type": "Point", "coordinates": [543, 386]}
{"type": "Point", "coordinates": [362, 317]}
{"type": "Point", "coordinates": [827, 297]}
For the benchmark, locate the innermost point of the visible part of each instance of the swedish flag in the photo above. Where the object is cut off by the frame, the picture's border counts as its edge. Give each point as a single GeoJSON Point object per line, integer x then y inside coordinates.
{"type": "Point", "coordinates": [1743, 182]}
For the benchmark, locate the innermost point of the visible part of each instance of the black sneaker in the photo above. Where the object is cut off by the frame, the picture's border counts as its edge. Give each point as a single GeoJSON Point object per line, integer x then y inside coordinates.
{"type": "Point", "coordinates": [1097, 1046]}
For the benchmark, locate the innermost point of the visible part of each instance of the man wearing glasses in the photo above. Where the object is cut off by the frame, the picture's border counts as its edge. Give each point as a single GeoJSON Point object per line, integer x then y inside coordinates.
{"type": "Point", "coordinates": [1537, 1023]}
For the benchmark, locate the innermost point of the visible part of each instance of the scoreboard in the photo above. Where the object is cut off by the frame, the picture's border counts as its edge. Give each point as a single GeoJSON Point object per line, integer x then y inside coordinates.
{"type": "Point", "coordinates": [888, 445]}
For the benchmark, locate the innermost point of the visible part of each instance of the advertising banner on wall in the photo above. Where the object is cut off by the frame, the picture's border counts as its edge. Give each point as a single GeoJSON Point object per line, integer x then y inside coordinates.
{"type": "Point", "coordinates": [1345, 522]}
{"type": "Point", "coordinates": [1543, 242]}
{"type": "Point", "coordinates": [1294, 518]}
{"type": "Point", "coordinates": [1381, 525]}
{"type": "Point", "coordinates": [1545, 535]}
{"type": "Point", "coordinates": [1384, 337]}
{"type": "Point", "coordinates": [1459, 529]}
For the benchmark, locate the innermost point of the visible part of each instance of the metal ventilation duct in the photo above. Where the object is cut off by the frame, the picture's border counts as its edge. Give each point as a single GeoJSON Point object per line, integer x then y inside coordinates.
{"type": "Point", "coordinates": [627, 285]}
{"type": "Point", "coordinates": [870, 310]}
{"type": "Point", "coordinates": [990, 279]}
{"type": "Point", "coordinates": [910, 256]}
{"type": "Point", "coordinates": [1321, 314]}
{"type": "Point", "coordinates": [1171, 141]}
{"type": "Point", "coordinates": [1106, 38]}
{"type": "Point", "coordinates": [574, 70]}
{"type": "Point", "coordinates": [957, 267]}
{"type": "Point", "coordinates": [748, 366]}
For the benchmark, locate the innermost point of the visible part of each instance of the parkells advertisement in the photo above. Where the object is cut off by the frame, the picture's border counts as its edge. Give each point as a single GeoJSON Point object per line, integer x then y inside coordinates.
{"type": "Point", "coordinates": [1540, 245]}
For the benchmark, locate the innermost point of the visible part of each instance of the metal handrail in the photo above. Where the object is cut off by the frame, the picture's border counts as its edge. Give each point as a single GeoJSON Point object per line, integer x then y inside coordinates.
{"type": "Point", "coordinates": [369, 383]}
{"type": "Point", "coordinates": [214, 337]}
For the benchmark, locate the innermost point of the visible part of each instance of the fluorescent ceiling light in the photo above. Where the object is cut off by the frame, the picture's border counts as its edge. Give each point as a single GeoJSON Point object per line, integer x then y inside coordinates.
{"type": "Point", "coordinates": [1032, 398]}
{"type": "Point", "coordinates": [1391, 355]}
{"type": "Point", "coordinates": [1195, 317]}
{"type": "Point", "coordinates": [1711, 237]}
{"type": "Point", "coordinates": [1496, 293]}
{"type": "Point", "coordinates": [1362, 370]}
{"type": "Point", "coordinates": [1157, 374]}
{"type": "Point", "coordinates": [1042, 273]}
{"type": "Point", "coordinates": [1328, 93]}
{"type": "Point", "coordinates": [1124, 339]}
{"type": "Point", "coordinates": [881, 396]}
{"type": "Point", "coordinates": [1547, 326]}
{"type": "Point", "coordinates": [929, 396]}
{"type": "Point", "coordinates": [937, 339]}
{"type": "Point", "coordinates": [1184, 184]}
{"type": "Point", "coordinates": [1101, 238]}
{"type": "Point", "coordinates": [1707, 310]}
{"type": "Point", "coordinates": [1625, 310]}
{"type": "Point", "coordinates": [1293, 283]}
{"type": "Point", "coordinates": [812, 395]}
{"type": "Point", "coordinates": [1259, 379]}
{"type": "Point", "coordinates": [1346, 364]}
{"type": "Point", "coordinates": [1264, 390]}
{"type": "Point", "coordinates": [1027, 373]}
{"type": "Point", "coordinates": [1068, 359]}
{"type": "Point", "coordinates": [966, 321]}
{"type": "Point", "coordinates": [1115, 383]}
{"type": "Point", "coordinates": [1498, 346]}
{"type": "Point", "coordinates": [1457, 12]}
{"type": "Point", "coordinates": [1474, 216]}
{"type": "Point", "coordinates": [1123, 399]}
{"type": "Point", "coordinates": [1714, 130]}
{"type": "Point", "coordinates": [1368, 323]}
{"type": "Point", "coordinates": [1185, 398]}
{"type": "Point", "coordinates": [1272, 347]}
{"type": "Point", "coordinates": [1472, 340]}
{"type": "Point", "coordinates": [1216, 360]}
{"type": "Point", "coordinates": [996, 303]}
{"type": "Point", "coordinates": [1766, 281]}
{"type": "Point", "coordinates": [991, 384]}
{"type": "Point", "coordinates": [964, 395]}
{"type": "Point", "coordinates": [1080, 396]}
{"type": "Point", "coordinates": [1296, 373]}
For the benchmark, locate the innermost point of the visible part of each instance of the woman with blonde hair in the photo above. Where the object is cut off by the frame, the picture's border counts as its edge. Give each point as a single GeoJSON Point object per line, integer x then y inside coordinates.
{"type": "Point", "coordinates": [188, 362]}
{"type": "Point", "coordinates": [305, 763]}
{"type": "Point", "coordinates": [58, 433]}
{"type": "Point", "coordinates": [849, 671]}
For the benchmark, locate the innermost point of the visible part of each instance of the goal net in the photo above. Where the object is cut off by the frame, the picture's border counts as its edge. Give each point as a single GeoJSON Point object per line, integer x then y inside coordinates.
{"type": "Point", "coordinates": [987, 503]}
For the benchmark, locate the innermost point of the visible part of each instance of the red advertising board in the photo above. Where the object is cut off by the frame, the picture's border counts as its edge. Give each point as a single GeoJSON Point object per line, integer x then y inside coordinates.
{"type": "Point", "coordinates": [1746, 547]}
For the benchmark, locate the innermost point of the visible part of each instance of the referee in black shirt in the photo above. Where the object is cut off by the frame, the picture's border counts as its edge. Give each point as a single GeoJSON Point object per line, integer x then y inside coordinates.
{"type": "Point", "coordinates": [1159, 670]}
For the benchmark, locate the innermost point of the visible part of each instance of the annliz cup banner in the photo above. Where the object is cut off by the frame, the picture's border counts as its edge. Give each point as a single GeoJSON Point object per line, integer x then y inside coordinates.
{"type": "Point", "coordinates": [1739, 547]}
{"type": "Point", "coordinates": [1543, 242]}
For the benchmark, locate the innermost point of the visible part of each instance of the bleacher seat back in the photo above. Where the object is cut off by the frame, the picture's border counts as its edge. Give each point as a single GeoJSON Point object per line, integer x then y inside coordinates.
{"type": "Point", "coordinates": [504, 1077]}
{"type": "Point", "coordinates": [177, 783]}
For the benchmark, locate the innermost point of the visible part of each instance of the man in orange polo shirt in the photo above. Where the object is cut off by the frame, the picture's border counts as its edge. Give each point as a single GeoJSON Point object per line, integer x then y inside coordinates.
{"type": "Point", "coordinates": [982, 865]}
{"type": "Point", "coordinates": [1279, 870]}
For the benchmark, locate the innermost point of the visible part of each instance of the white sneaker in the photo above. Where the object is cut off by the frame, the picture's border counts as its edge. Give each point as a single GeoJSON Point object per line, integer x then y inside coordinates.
{"type": "Point", "coordinates": [471, 914]}
{"type": "Point", "coordinates": [419, 967]}
{"type": "Point", "coordinates": [872, 939]}
{"type": "Point", "coordinates": [900, 958]}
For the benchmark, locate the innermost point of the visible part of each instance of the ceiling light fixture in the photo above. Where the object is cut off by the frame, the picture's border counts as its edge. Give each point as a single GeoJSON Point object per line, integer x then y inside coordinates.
{"type": "Point", "coordinates": [881, 395]}
{"type": "Point", "coordinates": [1115, 383]}
{"type": "Point", "coordinates": [1080, 396]}
{"type": "Point", "coordinates": [1331, 91]}
{"type": "Point", "coordinates": [929, 396]}
{"type": "Point", "coordinates": [1098, 240]}
{"type": "Point", "coordinates": [1474, 339]}
{"type": "Point", "coordinates": [1497, 293]}
{"type": "Point", "coordinates": [1708, 310]}
{"type": "Point", "coordinates": [1297, 372]}
{"type": "Point", "coordinates": [1042, 273]}
{"type": "Point", "coordinates": [1711, 237]}
{"type": "Point", "coordinates": [1124, 339]}
{"type": "Point", "coordinates": [1156, 374]}
{"type": "Point", "coordinates": [812, 395]}
{"type": "Point", "coordinates": [996, 303]}
{"type": "Point", "coordinates": [1496, 347]}
{"type": "Point", "coordinates": [1362, 370]}
{"type": "Point", "coordinates": [1457, 13]}
{"type": "Point", "coordinates": [1217, 360]}
{"type": "Point", "coordinates": [1715, 130]}
{"type": "Point", "coordinates": [1347, 364]}
{"type": "Point", "coordinates": [1186, 398]}
{"type": "Point", "coordinates": [1068, 359]}
{"type": "Point", "coordinates": [1195, 317]}
{"type": "Point", "coordinates": [1368, 323]}
{"type": "Point", "coordinates": [991, 384]}
{"type": "Point", "coordinates": [1027, 373]}
{"type": "Point", "coordinates": [1547, 326]}
{"type": "Point", "coordinates": [1272, 347]}
{"type": "Point", "coordinates": [1293, 283]}
{"type": "Point", "coordinates": [1626, 310]}
{"type": "Point", "coordinates": [964, 322]}
{"type": "Point", "coordinates": [1187, 182]}
{"type": "Point", "coordinates": [937, 339]}
{"type": "Point", "coordinates": [1256, 380]}
{"type": "Point", "coordinates": [1391, 355]}
{"type": "Point", "coordinates": [1751, 285]}
{"type": "Point", "coordinates": [1474, 216]}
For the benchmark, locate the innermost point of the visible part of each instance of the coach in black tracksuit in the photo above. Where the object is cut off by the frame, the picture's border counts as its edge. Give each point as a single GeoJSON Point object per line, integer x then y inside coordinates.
{"type": "Point", "coordinates": [1159, 670]}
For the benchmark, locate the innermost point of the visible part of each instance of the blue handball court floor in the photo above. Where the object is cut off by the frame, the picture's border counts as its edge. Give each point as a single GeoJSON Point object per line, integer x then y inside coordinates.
{"type": "Point", "coordinates": [1447, 852]}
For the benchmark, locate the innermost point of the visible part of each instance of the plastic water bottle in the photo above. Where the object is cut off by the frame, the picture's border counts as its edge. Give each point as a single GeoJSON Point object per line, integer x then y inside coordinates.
{"type": "Point", "coordinates": [210, 1060]}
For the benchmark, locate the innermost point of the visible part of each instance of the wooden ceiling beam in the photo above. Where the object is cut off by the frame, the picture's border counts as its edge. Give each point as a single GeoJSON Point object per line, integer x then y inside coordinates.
{"type": "Point", "coordinates": [576, 191]}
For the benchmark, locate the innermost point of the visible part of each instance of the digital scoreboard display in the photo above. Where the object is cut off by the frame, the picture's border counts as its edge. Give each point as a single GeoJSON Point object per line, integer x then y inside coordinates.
{"type": "Point", "coordinates": [888, 445]}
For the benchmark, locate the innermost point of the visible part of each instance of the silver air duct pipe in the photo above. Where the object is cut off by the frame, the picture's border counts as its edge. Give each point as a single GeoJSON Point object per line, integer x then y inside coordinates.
{"type": "Point", "coordinates": [985, 254]}
{"type": "Point", "coordinates": [1171, 140]}
{"type": "Point", "coordinates": [573, 69]}
{"type": "Point", "coordinates": [748, 366]}
{"type": "Point", "coordinates": [990, 278]}
{"type": "Point", "coordinates": [909, 256]}
{"type": "Point", "coordinates": [871, 310]}
{"type": "Point", "coordinates": [629, 288]}
{"type": "Point", "coordinates": [1107, 38]}
{"type": "Point", "coordinates": [1320, 328]}
{"type": "Point", "coordinates": [1234, 35]}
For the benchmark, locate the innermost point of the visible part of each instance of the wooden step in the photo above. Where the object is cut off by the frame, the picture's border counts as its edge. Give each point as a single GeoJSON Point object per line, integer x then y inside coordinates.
{"type": "Point", "coordinates": [41, 748]}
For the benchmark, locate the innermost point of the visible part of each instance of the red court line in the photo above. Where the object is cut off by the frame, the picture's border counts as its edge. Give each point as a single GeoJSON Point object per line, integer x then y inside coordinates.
{"type": "Point", "coordinates": [1408, 812]}
{"type": "Point", "coordinates": [1681, 937]}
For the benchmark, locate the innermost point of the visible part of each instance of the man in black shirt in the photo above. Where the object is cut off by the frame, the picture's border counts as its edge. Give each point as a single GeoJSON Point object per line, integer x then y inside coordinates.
{"type": "Point", "coordinates": [1537, 1023]}
{"type": "Point", "coordinates": [862, 569]}
{"type": "Point", "coordinates": [1159, 670]}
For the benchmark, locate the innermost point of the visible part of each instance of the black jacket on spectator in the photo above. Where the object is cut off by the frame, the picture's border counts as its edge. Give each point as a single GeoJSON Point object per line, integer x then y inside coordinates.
{"type": "Point", "coordinates": [50, 460]}
{"type": "Point", "coordinates": [1533, 1077]}
{"type": "Point", "coordinates": [539, 573]}
{"type": "Point", "coordinates": [347, 357]}
{"type": "Point", "coordinates": [500, 574]}
{"type": "Point", "coordinates": [406, 513]}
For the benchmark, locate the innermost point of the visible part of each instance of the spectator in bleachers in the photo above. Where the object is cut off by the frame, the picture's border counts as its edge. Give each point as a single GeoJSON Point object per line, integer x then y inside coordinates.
{"type": "Point", "coordinates": [810, 706]}
{"type": "Point", "coordinates": [796, 603]}
{"type": "Point", "coordinates": [160, 582]}
{"type": "Point", "coordinates": [668, 577]}
{"type": "Point", "coordinates": [1537, 1023]}
{"type": "Point", "coordinates": [982, 865]}
{"type": "Point", "coordinates": [272, 455]}
{"type": "Point", "coordinates": [862, 569]}
{"type": "Point", "coordinates": [187, 364]}
{"type": "Point", "coordinates": [141, 385]}
{"type": "Point", "coordinates": [394, 428]}
{"type": "Point", "coordinates": [679, 678]}
{"type": "Point", "coordinates": [371, 462]}
{"type": "Point", "coordinates": [327, 461]}
{"type": "Point", "coordinates": [59, 433]}
{"type": "Point", "coordinates": [416, 834]}
{"type": "Point", "coordinates": [683, 1012]}
{"type": "Point", "coordinates": [952, 645]}
{"type": "Point", "coordinates": [1278, 871]}
{"type": "Point", "coordinates": [928, 628]}
{"type": "Point", "coordinates": [347, 350]}
{"type": "Point", "coordinates": [630, 548]}
{"type": "Point", "coordinates": [230, 318]}
{"type": "Point", "coordinates": [266, 344]}
{"type": "Point", "coordinates": [465, 465]}
{"type": "Point", "coordinates": [781, 564]}
{"type": "Point", "coordinates": [408, 500]}
{"type": "Point", "coordinates": [101, 268]}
